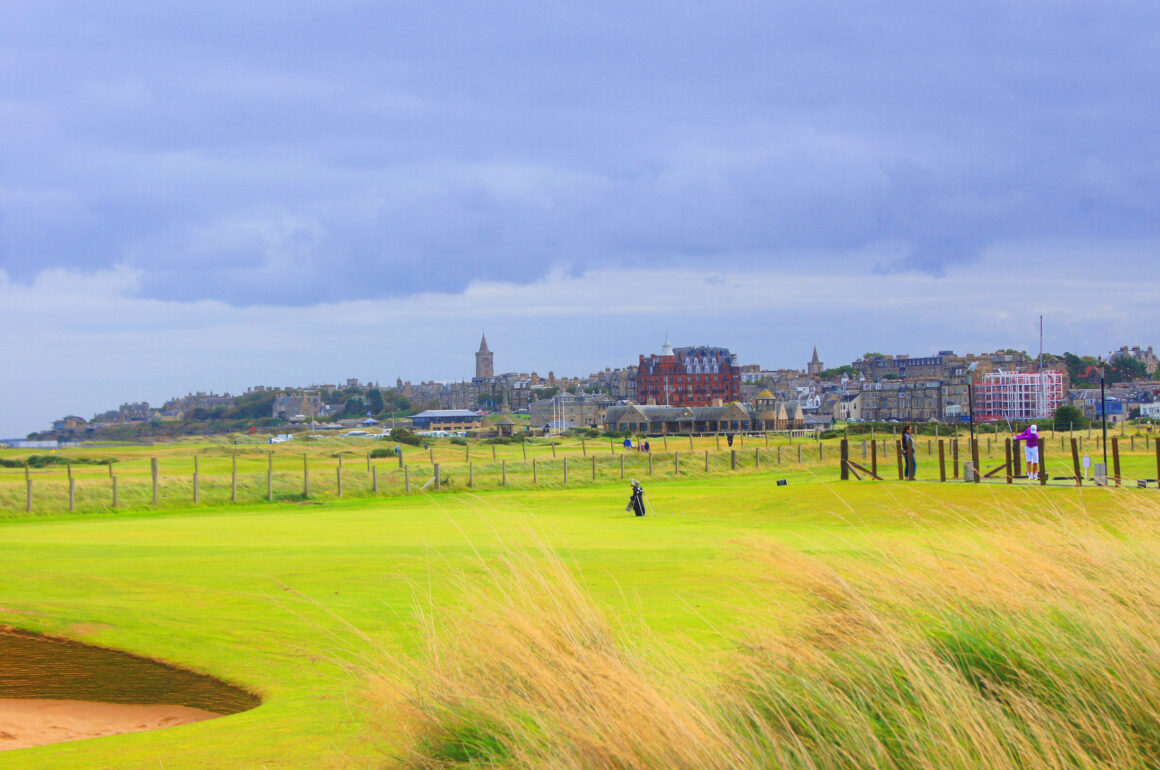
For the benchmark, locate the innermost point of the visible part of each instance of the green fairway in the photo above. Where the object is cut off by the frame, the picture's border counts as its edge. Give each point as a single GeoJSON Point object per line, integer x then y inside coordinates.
{"type": "Point", "coordinates": [276, 597]}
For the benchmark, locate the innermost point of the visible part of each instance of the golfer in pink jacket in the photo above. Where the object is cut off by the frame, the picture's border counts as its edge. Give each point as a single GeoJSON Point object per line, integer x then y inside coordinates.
{"type": "Point", "coordinates": [1030, 437]}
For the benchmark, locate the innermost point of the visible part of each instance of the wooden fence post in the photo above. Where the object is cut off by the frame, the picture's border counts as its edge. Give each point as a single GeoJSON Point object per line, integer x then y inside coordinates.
{"type": "Point", "coordinates": [536, 471]}
{"type": "Point", "coordinates": [375, 479]}
{"type": "Point", "coordinates": [594, 467]}
{"type": "Point", "coordinates": [690, 442]}
{"type": "Point", "coordinates": [844, 454]}
{"type": "Point", "coordinates": [718, 437]}
{"type": "Point", "coordinates": [338, 475]}
{"type": "Point", "coordinates": [270, 476]}
{"type": "Point", "coordinates": [114, 480]}
{"type": "Point", "coordinates": [756, 458]}
{"type": "Point", "coordinates": [1007, 453]}
{"type": "Point", "coordinates": [438, 480]}
{"type": "Point", "coordinates": [1075, 463]}
{"type": "Point", "coordinates": [942, 461]}
{"type": "Point", "coordinates": [470, 475]}
{"type": "Point", "coordinates": [72, 492]}
{"type": "Point", "coordinates": [665, 440]}
{"type": "Point", "coordinates": [706, 461]}
{"type": "Point", "coordinates": [898, 456]}
{"type": "Point", "coordinates": [622, 466]}
{"type": "Point", "coordinates": [553, 451]}
{"type": "Point", "coordinates": [677, 463]}
{"type": "Point", "coordinates": [779, 455]}
{"type": "Point", "coordinates": [234, 478]}
{"type": "Point", "coordinates": [975, 458]}
{"type": "Point", "coordinates": [565, 471]}
{"type": "Point", "coordinates": [400, 457]}
{"type": "Point", "coordinates": [955, 457]}
{"type": "Point", "coordinates": [305, 477]}
{"type": "Point", "coordinates": [153, 472]}
{"type": "Point", "coordinates": [431, 454]}
{"type": "Point", "coordinates": [1017, 458]}
{"type": "Point", "coordinates": [503, 468]}
{"type": "Point", "coordinates": [583, 447]}
{"type": "Point", "coordinates": [874, 457]}
{"type": "Point", "coordinates": [368, 463]}
{"type": "Point", "coordinates": [650, 463]}
{"type": "Point", "coordinates": [863, 449]}
{"type": "Point", "coordinates": [407, 478]}
{"type": "Point", "coordinates": [732, 459]}
{"type": "Point", "coordinates": [467, 453]}
{"type": "Point", "coordinates": [1116, 457]}
{"type": "Point", "coordinates": [523, 447]}
{"type": "Point", "coordinates": [1042, 465]}
{"type": "Point", "coordinates": [28, 495]}
{"type": "Point", "coordinates": [195, 480]}
{"type": "Point", "coordinates": [799, 448]}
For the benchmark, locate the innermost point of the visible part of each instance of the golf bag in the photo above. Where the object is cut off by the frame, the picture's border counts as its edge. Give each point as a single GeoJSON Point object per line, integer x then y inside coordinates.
{"type": "Point", "coordinates": [636, 502]}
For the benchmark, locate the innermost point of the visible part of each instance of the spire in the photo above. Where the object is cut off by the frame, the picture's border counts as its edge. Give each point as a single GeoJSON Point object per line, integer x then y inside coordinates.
{"type": "Point", "coordinates": [483, 344]}
{"type": "Point", "coordinates": [666, 349]}
{"type": "Point", "coordinates": [814, 360]}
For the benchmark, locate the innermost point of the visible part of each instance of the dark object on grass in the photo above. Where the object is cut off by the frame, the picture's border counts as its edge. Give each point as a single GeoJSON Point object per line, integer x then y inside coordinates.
{"type": "Point", "coordinates": [636, 502]}
{"type": "Point", "coordinates": [783, 482]}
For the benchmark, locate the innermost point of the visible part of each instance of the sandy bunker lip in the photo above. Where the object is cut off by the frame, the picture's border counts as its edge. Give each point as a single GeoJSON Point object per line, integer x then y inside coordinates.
{"type": "Point", "coordinates": [40, 674]}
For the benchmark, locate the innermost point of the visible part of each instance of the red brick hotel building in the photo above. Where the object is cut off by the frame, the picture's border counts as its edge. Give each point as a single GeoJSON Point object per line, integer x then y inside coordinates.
{"type": "Point", "coordinates": [697, 376]}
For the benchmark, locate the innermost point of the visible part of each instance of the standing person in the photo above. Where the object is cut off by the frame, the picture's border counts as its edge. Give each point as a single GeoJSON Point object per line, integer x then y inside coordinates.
{"type": "Point", "coordinates": [1030, 450]}
{"type": "Point", "coordinates": [647, 446]}
{"type": "Point", "coordinates": [729, 439]}
{"type": "Point", "coordinates": [908, 454]}
{"type": "Point", "coordinates": [627, 443]}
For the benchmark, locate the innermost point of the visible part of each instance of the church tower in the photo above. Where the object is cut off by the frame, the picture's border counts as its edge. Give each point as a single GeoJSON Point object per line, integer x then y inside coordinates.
{"type": "Point", "coordinates": [484, 362]}
{"type": "Point", "coordinates": [815, 366]}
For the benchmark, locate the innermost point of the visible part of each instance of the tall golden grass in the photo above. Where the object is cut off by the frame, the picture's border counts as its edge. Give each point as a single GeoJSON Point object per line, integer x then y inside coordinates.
{"type": "Point", "coordinates": [1017, 641]}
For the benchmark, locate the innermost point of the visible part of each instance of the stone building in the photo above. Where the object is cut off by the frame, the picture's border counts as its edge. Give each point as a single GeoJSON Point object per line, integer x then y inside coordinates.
{"type": "Point", "coordinates": [484, 361]}
{"type": "Point", "coordinates": [692, 376]}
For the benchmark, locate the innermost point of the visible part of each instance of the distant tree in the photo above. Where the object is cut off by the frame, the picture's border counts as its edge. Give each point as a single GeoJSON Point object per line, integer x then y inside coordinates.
{"type": "Point", "coordinates": [838, 371]}
{"type": "Point", "coordinates": [354, 407]}
{"type": "Point", "coordinates": [1067, 417]}
{"type": "Point", "coordinates": [890, 376]}
{"type": "Point", "coordinates": [873, 355]}
{"type": "Point", "coordinates": [375, 401]}
{"type": "Point", "coordinates": [1126, 368]}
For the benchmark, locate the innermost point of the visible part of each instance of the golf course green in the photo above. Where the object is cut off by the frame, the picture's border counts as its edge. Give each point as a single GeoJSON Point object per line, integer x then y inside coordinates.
{"type": "Point", "coordinates": [346, 617]}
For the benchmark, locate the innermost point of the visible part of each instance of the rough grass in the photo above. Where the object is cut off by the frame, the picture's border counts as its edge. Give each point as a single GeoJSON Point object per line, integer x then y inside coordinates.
{"type": "Point", "coordinates": [1036, 647]}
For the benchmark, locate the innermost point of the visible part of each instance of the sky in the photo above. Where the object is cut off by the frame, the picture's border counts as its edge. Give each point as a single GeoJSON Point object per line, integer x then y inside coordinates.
{"type": "Point", "coordinates": [209, 196]}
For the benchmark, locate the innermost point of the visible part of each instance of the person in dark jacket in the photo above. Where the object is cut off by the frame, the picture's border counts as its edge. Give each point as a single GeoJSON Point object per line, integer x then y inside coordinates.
{"type": "Point", "coordinates": [910, 466]}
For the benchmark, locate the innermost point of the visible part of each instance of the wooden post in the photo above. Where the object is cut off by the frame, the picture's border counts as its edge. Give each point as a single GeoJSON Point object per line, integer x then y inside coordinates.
{"type": "Point", "coordinates": [493, 452]}
{"type": "Point", "coordinates": [565, 470]}
{"type": "Point", "coordinates": [536, 471]}
{"type": "Point", "coordinates": [375, 479]}
{"type": "Point", "coordinates": [622, 466]}
{"type": "Point", "coordinates": [1042, 465]}
{"type": "Point", "coordinates": [114, 480]}
{"type": "Point", "coordinates": [718, 437]}
{"type": "Point", "coordinates": [523, 447]}
{"type": "Point", "coordinates": [756, 458]}
{"type": "Point", "coordinates": [821, 451]}
{"type": "Point", "coordinates": [470, 475]}
{"type": "Point", "coordinates": [742, 435]}
{"type": "Point", "coordinates": [368, 463]}
{"type": "Point", "coordinates": [438, 480]}
{"type": "Point", "coordinates": [594, 467]}
{"type": "Point", "coordinates": [955, 457]}
{"type": "Point", "coordinates": [583, 447]}
{"type": "Point", "coordinates": [305, 477]}
{"type": "Point", "coordinates": [338, 475]}
{"type": "Point", "coordinates": [677, 463]}
{"type": "Point", "coordinates": [975, 457]}
{"type": "Point", "coordinates": [690, 442]}
{"type": "Point", "coordinates": [400, 457]}
{"type": "Point", "coordinates": [874, 457]}
{"type": "Point", "coordinates": [1007, 452]}
{"type": "Point", "coordinates": [799, 448]}
{"type": "Point", "coordinates": [732, 459]}
{"type": "Point", "coordinates": [431, 454]}
{"type": "Point", "coordinates": [270, 476]}
{"type": "Point", "coordinates": [863, 449]}
{"type": "Point", "coordinates": [28, 495]}
{"type": "Point", "coordinates": [898, 457]}
{"type": "Point", "coordinates": [234, 479]}
{"type": "Point", "coordinates": [665, 439]}
{"type": "Point", "coordinates": [1132, 442]}
{"type": "Point", "coordinates": [844, 454]}
{"type": "Point", "coordinates": [1075, 463]}
{"type": "Point", "coordinates": [650, 463]}
{"type": "Point", "coordinates": [928, 448]}
{"type": "Point", "coordinates": [779, 455]}
{"type": "Point", "coordinates": [153, 472]}
{"type": "Point", "coordinates": [407, 478]}
{"type": "Point", "coordinates": [706, 461]}
{"type": "Point", "coordinates": [72, 492]}
{"type": "Point", "coordinates": [942, 461]}
{"type": "Point", "coordinates": [767, 439]}
{"type": "Point", "coordinates": [553, 451]}
{"type": "Point", "coordinates": [1017, 458]}
{"type": "Point", "coordinates": [467, 453]}
{"type": "Point", "coordinates": [1116, 458]}
{"type": "Point", "coordinates": [503, 469]}
{"type": "Point", "coordinates": [195, 480]}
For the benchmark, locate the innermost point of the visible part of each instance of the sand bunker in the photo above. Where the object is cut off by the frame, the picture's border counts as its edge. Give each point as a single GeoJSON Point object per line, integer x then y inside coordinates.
{"type": "Point", "coordinates": [54, 690]}
{"type": "Point", "coordinates": [27, 722]}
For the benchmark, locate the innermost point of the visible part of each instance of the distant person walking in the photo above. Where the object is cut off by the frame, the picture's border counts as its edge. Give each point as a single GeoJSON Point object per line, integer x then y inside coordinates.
{"type": "Point", "coordinates": [908, 454]}
{"type": "Point", "coordinates": [1030, 437]}
{"type": "Point", "coordinates": [627, 443]}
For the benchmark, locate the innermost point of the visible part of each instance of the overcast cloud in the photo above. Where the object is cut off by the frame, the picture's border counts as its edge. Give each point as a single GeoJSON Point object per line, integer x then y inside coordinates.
{"type": "Point", "coordinates": [212, 195]}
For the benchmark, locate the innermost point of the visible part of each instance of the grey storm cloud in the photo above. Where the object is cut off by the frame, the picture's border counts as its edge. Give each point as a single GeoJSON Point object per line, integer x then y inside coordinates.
{"type": "Point", "coordinates": [292, 153]}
